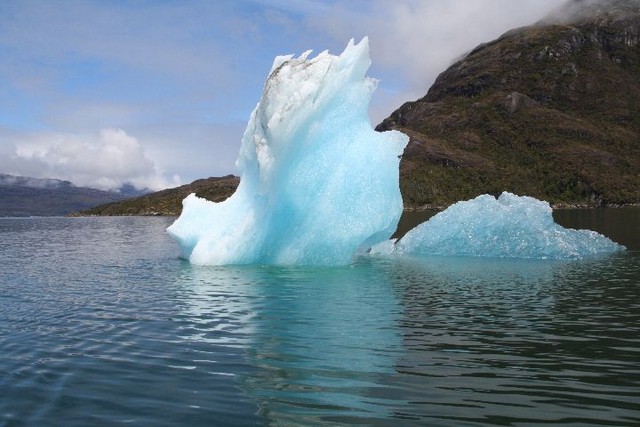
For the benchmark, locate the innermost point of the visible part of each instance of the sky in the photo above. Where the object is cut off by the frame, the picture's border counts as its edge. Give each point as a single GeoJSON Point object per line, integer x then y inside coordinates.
{"type": "Point", "coordinates": [157, 93]}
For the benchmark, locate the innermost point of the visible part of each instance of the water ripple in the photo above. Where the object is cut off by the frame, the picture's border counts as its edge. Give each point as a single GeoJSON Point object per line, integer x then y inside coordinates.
{"type": "Point", "coordinates": [102, 324]}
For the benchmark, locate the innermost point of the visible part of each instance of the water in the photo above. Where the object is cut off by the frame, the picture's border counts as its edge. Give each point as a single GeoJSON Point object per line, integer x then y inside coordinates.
{"type": "Point", "coordinates": [102, 324]}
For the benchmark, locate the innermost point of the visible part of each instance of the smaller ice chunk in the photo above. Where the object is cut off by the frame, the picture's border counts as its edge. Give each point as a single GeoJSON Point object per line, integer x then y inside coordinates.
{"type": "Point", "coordinates": [509, 226]}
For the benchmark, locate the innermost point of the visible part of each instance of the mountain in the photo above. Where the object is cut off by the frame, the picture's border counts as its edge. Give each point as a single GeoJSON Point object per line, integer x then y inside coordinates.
{"type": "Point", "coordinates": [24, 196]}
{"type": "Point", "coordinates": [169, 202]}
{"type": "Point", "coordinates": [551, 110]}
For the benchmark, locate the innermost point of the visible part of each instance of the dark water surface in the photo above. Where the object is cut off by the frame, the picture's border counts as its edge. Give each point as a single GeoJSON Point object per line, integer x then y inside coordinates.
{"type": "Point", "coordinates": [102, 324]}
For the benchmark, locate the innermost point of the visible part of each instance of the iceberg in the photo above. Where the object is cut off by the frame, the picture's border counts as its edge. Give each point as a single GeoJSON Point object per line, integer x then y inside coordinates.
{"type": "Point", "coordinates": [507, 227]}
{"type": "Point", "coordinates": [317, 183]}
{"type": "Point", "coordinates": [319, 186]}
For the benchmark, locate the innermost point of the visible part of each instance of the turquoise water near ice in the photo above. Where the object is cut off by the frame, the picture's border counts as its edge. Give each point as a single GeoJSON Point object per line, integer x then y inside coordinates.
{"type": "Point", "coordinates": [102, 324]}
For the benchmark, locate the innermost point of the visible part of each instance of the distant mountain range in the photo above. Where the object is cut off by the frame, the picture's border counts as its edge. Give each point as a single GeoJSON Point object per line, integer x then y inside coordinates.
{"type": "Point", "coordinates": [24, 196]}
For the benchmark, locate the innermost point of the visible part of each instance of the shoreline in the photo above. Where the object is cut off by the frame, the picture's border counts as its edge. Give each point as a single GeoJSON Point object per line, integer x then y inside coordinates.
{"type": "Point", "coordinates": [554, 206]}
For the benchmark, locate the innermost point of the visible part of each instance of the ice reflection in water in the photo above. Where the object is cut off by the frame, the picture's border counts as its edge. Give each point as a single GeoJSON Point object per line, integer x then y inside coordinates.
{"type": "Point", "coordinates": [319, 341]}
{"type": "Point", "coordinates": [439, 340]}
{"type": "Point", "coordinates": [216, 303]}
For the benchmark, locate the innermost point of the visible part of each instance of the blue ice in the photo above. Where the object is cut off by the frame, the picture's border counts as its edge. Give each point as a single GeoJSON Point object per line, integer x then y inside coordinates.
{"type": "Point", "coordinates": [508, 226]}
{"type": "Point", "coordinates": [319, 186]}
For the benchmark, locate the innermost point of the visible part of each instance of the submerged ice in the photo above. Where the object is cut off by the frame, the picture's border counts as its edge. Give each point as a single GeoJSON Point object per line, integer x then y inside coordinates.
{"type": "Point", "coordinates": [509, 226]}
{"type": "Point", "coordinates": [318, 185]}
{"type": "Point", "coordinates": [317, 182]}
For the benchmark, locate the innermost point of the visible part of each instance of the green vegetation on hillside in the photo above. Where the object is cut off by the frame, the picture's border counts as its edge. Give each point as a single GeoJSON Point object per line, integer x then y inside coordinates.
{"type": "Point", "coordinates": [169, 202]}
{"type": "Point", "coordinates": [551, 111]}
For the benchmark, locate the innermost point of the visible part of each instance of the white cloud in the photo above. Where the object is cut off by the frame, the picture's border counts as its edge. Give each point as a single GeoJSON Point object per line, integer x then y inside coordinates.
{"type": "Point", "coordinates": [412, 41]}
{"type": "Point", "coordinates": [199, 150]}
{"type": "Point", "coordinates": [106, 161]}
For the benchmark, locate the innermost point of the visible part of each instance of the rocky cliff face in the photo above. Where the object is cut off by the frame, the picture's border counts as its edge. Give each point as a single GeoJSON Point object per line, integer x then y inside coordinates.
{"type": "Point", "coordinates": [551, 110]}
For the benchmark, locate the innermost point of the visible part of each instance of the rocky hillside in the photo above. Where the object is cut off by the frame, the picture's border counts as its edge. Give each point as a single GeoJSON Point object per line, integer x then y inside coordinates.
{"type": "Point", "coordinates": [551, 111]}
{"type": "Point", "coordinates": [169, 202]}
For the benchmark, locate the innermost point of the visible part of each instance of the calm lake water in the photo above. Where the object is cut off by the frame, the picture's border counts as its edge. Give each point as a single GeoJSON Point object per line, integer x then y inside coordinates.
{"type": "Point", "coordinates": [102, 324]}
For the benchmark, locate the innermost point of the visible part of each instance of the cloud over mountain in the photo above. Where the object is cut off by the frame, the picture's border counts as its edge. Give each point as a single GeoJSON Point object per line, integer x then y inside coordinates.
{"type": "Point", "coordinates": [106, 160]}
